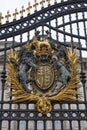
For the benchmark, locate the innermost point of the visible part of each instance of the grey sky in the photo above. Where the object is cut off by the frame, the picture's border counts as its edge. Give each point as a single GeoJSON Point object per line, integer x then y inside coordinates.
{"type": "Point", "coordinates": [11, 5]}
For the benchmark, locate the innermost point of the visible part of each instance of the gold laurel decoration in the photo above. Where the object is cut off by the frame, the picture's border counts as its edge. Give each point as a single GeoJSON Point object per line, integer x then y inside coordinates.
{"type": "Point", "coordinates": [27, 45]}
{"type": "Point", "coordinates": [13, 54]}
{"type": "Point", "coordinates": [43, 103]}
{"type": "Point", "coordinates": [70, 92]}
{"type": "Point", "coordinates": [18, 93]}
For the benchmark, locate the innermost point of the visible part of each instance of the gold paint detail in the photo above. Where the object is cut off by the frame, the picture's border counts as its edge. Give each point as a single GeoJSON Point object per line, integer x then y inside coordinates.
{"type": "Point", "coordinates": [48, 2]}
{"type": "Point", "coordinates": [22, 11]}
{"type": "Point", "coordinates": [42, 3]}
{"type": "Point", "coordinates": [55, 1]}
{"type": "Point", "coordinates": [27, 45]}
{"type": "Point", "coordinates": [43, 100]}
{"type": "Point", "coordinates": [15, 14]}
{"type": "Point", "coordinates": [70, 92]}
{"type": "Point", "coordinates": [28, 8]}
{"type": "Point", "coordinates": [1, 17]}
{"type": "Point", "coordinates": [7, 16]}
{"type": "Point", "coordinates": [42, 46]}
{"type": "Point", "coordinates": [12, 54]}
{"type": "Point", "coordinates": [35, 5]}
{"type": "Point", "coordinates": [44, 76]}
{"type": "Point", "coordinates": [44, 105]}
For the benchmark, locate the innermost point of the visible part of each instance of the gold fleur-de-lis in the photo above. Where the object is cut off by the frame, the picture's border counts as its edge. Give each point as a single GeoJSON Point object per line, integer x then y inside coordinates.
{"type": "Point", "coordinates": [1, 17]}
{"type": "Point", "coordinates": [55, 1]}
{"type": "Point", "coordinates": [35, 5]}
{"type": "Point", "coordinates": [15, 14]}
{"type": "Point", "coordinates": [7, 16]}
{"type": "Point", "coordinates": [42, 3]}
{"type": "Point", "coordinates": [48, 2]}
{"type": "Point", "coordinates": [22, 11]}
{"type": "Point", "coordinates": [28, 8]}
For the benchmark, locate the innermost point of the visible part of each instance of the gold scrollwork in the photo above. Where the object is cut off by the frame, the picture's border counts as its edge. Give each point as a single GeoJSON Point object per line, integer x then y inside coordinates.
{"type": "Point", "coordinates": [44, 105]}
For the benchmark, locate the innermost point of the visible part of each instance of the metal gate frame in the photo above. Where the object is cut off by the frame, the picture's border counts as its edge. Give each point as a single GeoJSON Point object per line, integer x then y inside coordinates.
{"type": "Point", "coordinates": [43, 19]}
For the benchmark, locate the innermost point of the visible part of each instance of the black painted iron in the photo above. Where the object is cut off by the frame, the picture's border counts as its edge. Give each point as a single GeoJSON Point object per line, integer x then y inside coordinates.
{"type": "Point", "coordinates": [43, 19]}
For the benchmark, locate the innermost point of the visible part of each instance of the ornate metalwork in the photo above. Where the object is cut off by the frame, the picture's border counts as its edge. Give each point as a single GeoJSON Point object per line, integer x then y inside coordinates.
{"type": "Point", "coordinates": [55, 2]}
{"type": "Point", "coordinates": [42, 3]}
{"type": "Point", "coordinates": [1, 17]}
{"type": "Point", "coordinates": [65, 23]}
{"type": "Point", "coordinates": [35, 5]}
{"type": "Point", "coordinates": [48, 2]}
{"type": "Point", "coordinates": [22, 11]}
{"type": "Point", "coordinates": [28, 8]}
{"type": "Point", "coordinates": [46, 75]}
{"type": "Point", "coordinates": [15, 14]}
{"type": "Point", "coordinates": [7, 16]}
{"type": "Point", "coordinates": [56, 11]}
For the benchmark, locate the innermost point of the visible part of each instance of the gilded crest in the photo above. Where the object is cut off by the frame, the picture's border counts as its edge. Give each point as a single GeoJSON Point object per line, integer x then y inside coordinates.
{"type": "Point", "coordinates": [46, 73]}
{"type": "Point", "coordinates": [44, 77]}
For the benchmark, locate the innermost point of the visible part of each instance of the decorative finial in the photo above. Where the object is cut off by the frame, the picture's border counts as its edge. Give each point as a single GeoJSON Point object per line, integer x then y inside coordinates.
{"type": "Point", "coordinates": [7, 16]}
{"type": "Point", "coordinates": [42, 3]}
{"type": "Point", "coordinates": [15, 14]}
{"type": "Point", "coordinates": [28, 8]}
{"type": "Point", "coordinates": [1, 17]}
{"type": "Point", "coordinates": [35, 5]}
{"type": "Point", "coordinates": [22, 11]}
{"type": "Point", "coordinates": [55, 1]}
{"type": "Point", "coordinates": [48, 2]}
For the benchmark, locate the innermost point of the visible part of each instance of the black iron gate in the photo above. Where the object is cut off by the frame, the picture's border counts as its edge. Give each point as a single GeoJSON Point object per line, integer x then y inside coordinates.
{"type": "Point", "coordinates": [66, 23]}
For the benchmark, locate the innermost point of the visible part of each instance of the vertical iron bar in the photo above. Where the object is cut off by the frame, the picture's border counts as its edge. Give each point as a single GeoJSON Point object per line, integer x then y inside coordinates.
{"type": "Point", "coordinates": [18, 121]}
{"type": "Point", "coordinates": [3, 80]}
{"type": "Point", "coordinates": [43, 24]}
{"type": "Point", "coordinates": [81, 66]}
{"type": "Point", "coordinates": [70, 122]}
{"type": "Point", "coordinates": [61, 115]}
{"type": "Point", "coordinates": [10, 105]}
{"type": "Point", "coordinates": [56, 27]}
{"type": "Point", "coordinates": [82, 70]}
{"type": "Point", "coordinates": [27, 117]}
{"type": "Point", "coordinates": [85, 30]}
{"type": "Point", "coordinates": [49, 25]}
{"type": "Point", "coordinates": [35, 124]}
{"type": "Point", "coordinates": [44, 124]}
{"type": "Point", "coordinates": [53, 126]}
{"type": "Point", "coordinates": [28, 36]}
{"type": "Point", "coordinates": [71, 30]}
{"type": "Point", "coordinates": [53, 121]}
{"type": "Point", "coordinates": [13, 42]}
{"type": "Point", "coordinates": [63, 19]}
{"type": "Point", "coordinates": [42, 30]}
{"type": "Point", "coordinates": [20, 40]}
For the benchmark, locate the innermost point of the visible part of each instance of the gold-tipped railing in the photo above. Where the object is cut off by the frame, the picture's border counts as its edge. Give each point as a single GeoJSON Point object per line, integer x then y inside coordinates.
{"type": "Point", "coordinates": [28, 10]}
{"type": "Point", "coordinates": [15, 14]}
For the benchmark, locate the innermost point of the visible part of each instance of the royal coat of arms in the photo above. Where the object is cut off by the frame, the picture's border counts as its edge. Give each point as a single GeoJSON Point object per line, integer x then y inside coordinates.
{"type": "Point", "coordinates": [43, 71]}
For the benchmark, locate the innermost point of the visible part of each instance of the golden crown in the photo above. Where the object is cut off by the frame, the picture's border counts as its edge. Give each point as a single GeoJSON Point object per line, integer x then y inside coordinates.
{"type": "Point", "coordinates": [42, 47]}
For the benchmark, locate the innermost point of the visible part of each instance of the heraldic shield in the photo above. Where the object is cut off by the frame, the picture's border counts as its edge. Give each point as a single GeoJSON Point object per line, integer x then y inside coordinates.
{"type": "Point", "coordinates": [44, 77]}
{"type": "Point", "coordinates": [43, 71]}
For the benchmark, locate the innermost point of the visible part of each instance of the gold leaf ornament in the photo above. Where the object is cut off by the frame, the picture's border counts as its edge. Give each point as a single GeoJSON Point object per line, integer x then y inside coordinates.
{"type": "Point", "coordinates": [70, 92]}
{"type": "Point", "coordinates": [43, 102]}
